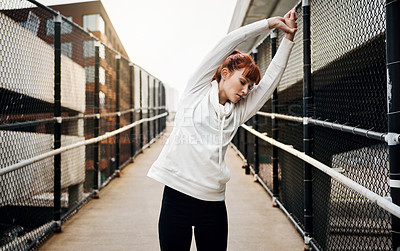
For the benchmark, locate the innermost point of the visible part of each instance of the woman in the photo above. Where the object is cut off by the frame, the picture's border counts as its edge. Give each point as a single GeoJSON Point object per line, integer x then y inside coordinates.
{"type": "Point", "coordinates": [216, 101]}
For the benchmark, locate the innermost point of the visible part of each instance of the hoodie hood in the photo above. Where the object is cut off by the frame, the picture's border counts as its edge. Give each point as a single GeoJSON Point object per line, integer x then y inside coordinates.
{"type": "Point", "coordinates": [222, 110]}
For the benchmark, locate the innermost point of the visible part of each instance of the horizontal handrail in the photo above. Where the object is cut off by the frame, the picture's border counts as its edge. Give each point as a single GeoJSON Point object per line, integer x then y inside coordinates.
{"type": "Point", "coordinates": [26, 162]}
{"type": "Point", "coordinates": [344, 128]}
{"type": "Point", "coordinates": [379, 200]}
{"type": "Point", "coordinates": [27, 123]}
{"type": "Point", "coordinates": [50, 120]}
{"type": "Point", "coordinates": [280, 205]}
{"type": "Point", "coordinates": [281, 116]}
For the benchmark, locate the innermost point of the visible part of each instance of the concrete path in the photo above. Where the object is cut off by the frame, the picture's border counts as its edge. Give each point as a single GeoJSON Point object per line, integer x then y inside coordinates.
{"type": "Point", "coordinates": [126, 215]}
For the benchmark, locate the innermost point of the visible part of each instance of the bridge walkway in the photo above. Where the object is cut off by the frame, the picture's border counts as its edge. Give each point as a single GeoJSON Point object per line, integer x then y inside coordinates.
{"type": "Point", "coordinates": [125, 217]}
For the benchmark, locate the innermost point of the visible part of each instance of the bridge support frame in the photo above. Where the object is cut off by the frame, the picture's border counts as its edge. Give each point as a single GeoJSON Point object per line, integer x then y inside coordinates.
{"type": "Point", "coordinates": [307, 128]}
{"type": "Point", "coordinates": [132, 106]}
{"type": "Point", "coordinates": [275, 160]}
{"type": "Point", "coordinates": [96, 128]}
{"type": "Point", "coordinates": [118, 117]}
{"type": "Point", "coordinates": [141, 109]}
{"type": "Point", "coordinates": [57, 124]}
{"type": "Point", "coordinates": [393, 102]}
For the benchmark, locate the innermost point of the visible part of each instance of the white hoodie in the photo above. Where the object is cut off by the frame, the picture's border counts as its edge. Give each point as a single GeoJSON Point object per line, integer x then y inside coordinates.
{"type": "Point", "coordinates": [192, 160]}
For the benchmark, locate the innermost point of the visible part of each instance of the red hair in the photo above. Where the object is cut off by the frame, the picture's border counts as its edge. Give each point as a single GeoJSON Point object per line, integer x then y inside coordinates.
{"type": "Point", "coordinates": [236, 61]}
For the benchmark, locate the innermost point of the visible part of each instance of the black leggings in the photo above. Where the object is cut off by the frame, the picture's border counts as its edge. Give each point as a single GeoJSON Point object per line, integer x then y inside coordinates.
{"type": "Point", "coordinates": [179, 212]}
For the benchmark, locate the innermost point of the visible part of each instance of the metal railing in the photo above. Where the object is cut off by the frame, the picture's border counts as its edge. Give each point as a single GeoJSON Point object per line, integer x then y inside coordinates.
{"type": "Point", "coordinates": [73, 113]}
{"type": "Point", "coordinates": [326, 145]}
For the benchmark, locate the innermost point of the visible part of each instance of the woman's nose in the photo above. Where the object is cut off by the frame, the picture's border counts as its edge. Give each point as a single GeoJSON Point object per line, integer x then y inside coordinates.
{"type": "Point", "coordinates": [245, 90]}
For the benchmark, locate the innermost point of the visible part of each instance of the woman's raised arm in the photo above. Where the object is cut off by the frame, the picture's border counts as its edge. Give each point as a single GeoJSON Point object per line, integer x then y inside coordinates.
{"type": "Point", "coordinates": [202, 76]}
{"type": "Point", "coordinates": [256, 98]}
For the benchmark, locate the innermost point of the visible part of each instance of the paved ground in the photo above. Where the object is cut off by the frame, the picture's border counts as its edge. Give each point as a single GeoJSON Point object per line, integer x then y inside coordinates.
{"type": "Point", "coordinates": [126, 215]}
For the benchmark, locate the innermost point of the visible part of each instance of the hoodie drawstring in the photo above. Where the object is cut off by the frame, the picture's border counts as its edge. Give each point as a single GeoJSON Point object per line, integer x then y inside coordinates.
{"type": "Point", "coordinates": [221, 134]}
{"type": "Point", "coordinates": [223, 111]}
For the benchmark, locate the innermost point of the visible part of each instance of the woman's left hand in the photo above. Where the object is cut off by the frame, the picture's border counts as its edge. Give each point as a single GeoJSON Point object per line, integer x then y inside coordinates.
{"type": "Point", "coordinates": [286, 24]}
{"type": "Point", "coordinates": [290, 21]}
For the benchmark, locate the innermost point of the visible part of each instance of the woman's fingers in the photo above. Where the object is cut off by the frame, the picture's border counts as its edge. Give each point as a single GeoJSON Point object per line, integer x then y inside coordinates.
{"type": "Point", "coordinates": [291, 18]}
{"type": "Point", "coordinates": [285, 28]}
{"type": "Point", "coordinates": [287, 25]}
{"type": "Point", "coordinates": [292, 15]}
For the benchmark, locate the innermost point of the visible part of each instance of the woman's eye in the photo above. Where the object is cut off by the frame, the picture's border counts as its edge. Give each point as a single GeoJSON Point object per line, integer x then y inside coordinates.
{"type": "Point", "coordinates": [242, 82]}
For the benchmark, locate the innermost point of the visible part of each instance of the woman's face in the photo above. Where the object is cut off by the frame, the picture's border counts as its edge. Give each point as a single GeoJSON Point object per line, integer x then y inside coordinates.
{"type": "Point", "coordinates": [234, 86]}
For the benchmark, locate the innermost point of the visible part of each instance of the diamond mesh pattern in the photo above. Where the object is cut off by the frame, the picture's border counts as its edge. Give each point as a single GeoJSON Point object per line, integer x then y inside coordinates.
{"type": "Point", "coordinates": [27, 118]}
{"type": "Point", "coordinates": [349, 87]}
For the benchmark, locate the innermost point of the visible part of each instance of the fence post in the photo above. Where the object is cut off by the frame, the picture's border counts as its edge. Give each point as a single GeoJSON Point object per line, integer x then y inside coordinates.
{"type": "Point", "coordinates": [238, 139]}
{"type": "Point", "coordinates": [164, 105]}
{"type": "Point", "coordinates": [132, 106]}
{"type": "Point", "coordinates": [141, 110]}
{"type": "Point", "coordinates": [256, 158]}
{"type": "Point", "coordinates": [57, 124]}
{"type": "Point", "coordinates": [393, 99]}
{"type": "Point", "coordinates": [154, 108]}
{"type": "Point", "coordinates": [275, 177]}
{"type": "Point", "coordinates": [246, 163]}
{"type": "Point", "coordinates": [307, 104]}
{"type": "Point", "coordinates": [96, 128]}
{"type": "Point", "coordinates": [118, 119]}
{"type": "Point", "coordinates": [159, 106]}
{"type": "Point", "coordinates": [148, 110]}
{"type": "Point", "coordinates": [235, 139]}
{"type": "Point", "coordinates": [256, 150]}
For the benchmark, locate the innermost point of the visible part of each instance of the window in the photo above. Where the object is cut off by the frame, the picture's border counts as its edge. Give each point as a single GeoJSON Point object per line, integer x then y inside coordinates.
{"type": "Point", "coordinates": [88, 49]}
{"type": "Point", "coordinates": [89, 70]}
{"type": "Point", "coordinates": [32, 23]}
{"type": "Point", "coordinates": [65, 27]}
{"type": "Point", "coordinates": [102, 100]}
{"type": "Point", "coordinates": [66, 49]}
{"type": "Point", "coordinates": [94, 22]}
{"type": "Point", "coordinates": [102, 76]}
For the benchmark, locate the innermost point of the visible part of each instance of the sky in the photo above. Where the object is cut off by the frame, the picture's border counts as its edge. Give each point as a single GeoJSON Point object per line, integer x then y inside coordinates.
{"type": "Point", "coordinates": [168, 38]}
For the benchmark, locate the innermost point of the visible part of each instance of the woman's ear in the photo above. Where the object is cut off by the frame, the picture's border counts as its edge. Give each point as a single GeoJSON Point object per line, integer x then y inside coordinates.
{"type": "Point", "coordinates": [225, 73]}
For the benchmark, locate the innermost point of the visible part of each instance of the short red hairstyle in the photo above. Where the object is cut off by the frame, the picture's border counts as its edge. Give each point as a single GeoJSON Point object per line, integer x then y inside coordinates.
{"type": "Point", "coordinates": [236, 61]}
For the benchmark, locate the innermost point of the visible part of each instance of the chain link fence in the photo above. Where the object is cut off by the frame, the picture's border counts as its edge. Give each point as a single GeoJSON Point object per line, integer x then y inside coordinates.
{"type": "Point", "coordinates": [349, 91]}
{"type": "Point", "coordinates": [98, 92]}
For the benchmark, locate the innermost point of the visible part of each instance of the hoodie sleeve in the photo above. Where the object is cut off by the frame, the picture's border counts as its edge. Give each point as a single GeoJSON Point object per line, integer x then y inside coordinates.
{"type": "Point", "coordinates": [263, 91]}
{"type": "Point", "coordinates": [202, 76]}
